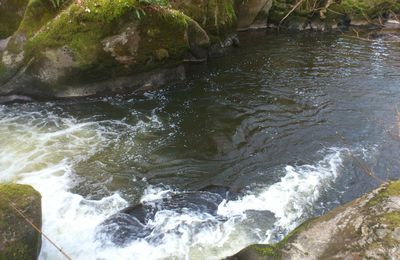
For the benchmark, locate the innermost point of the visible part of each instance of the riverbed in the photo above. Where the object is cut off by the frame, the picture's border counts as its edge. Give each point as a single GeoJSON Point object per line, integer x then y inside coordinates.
{"type": "Point", "coordinates": [289, 122]}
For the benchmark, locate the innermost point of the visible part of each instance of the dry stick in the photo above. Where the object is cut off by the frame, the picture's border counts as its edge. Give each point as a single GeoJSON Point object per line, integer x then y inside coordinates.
{"type": "Point", "coordinates": [38, 229]}
{"type": "Point", "coordinates": [371, 22]}
{"type": "Point", "coordinates": [395, 16]}
{"type": "Point", "coordinates": [330, 10]}
{"type": "Point", "coordinates": [354, 30]}
{"type": "Point", "coordinates": [363, 166]}
{"type": "Point", "coordinates": [291, 11]}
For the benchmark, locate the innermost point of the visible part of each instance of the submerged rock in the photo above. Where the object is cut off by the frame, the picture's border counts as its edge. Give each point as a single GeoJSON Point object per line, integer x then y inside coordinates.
{"type": "Point", "coordinates": [137, 222]}
{"type": "Point", "coordinates": [367, 227]}
{"type": "Point", "coordinates": [18, 239]}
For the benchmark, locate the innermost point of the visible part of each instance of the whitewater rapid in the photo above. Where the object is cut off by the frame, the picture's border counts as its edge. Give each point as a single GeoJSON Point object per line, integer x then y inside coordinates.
{"type": "Point", "coordinates": [43, 148]}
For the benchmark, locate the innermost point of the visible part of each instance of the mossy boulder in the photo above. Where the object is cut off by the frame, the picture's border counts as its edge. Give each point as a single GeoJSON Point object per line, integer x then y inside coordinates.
{"type": "Point", "coordinates": [366, 228]}
{"type": "Point", "coordinates": [18, 240]}
{"type": "Point", "coordinates": [95, 40]}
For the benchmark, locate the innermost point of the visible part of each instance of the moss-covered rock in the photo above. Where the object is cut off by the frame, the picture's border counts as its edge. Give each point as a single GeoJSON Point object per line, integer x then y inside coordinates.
{"type": "Point", "coordinates": [366, 228]}
{"type": "Point", "coordinates": [97, 40]}
{"type": "Point", "coordinates": [18, 240]}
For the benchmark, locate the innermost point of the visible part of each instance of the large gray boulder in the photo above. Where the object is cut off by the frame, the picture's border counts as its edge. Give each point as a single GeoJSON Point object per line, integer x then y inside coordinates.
{"type": "Point", "coordinates": [366, 228]}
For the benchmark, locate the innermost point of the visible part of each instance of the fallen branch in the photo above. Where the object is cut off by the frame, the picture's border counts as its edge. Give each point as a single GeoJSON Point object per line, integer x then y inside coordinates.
{"type": "Point", "coordinates": [291, 11]}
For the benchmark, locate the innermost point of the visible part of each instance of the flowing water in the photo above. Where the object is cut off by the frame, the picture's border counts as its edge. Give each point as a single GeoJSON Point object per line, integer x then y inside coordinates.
{"type": "Point", "coordinates": [280, 120]}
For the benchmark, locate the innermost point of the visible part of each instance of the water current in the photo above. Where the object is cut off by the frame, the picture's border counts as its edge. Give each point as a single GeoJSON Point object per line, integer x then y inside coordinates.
{"type": "Point", "coordinates": [279, 121]}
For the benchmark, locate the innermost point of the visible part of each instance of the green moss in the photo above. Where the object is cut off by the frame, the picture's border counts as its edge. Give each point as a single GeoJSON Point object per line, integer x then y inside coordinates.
{"type": "Point", "coordinates": [81, 28]}
{"type": "Point", "coordinates": [19, 239]}
{"type": "Point", "coordinates": [11, 13]}
{"type": "Point", "coordinates": [217, 17]}
{"type": "Point", "coordinates": [17, 251]}
{"type": "Point", "coordinates": [11, 191]}
{"type": "Point", "coordinates": [221, 17]}
{"type": "Point", "coordinates": [274, 251]}
{"type": "Point", "coordinates": [268, 250]}
{"type": "Point", "coordinates": [392, 189]}
{"type": "Point", "coordinates": [392, 221]}
{"type": "Point", "coordinates": [392, 218]}
{"type": "Point", "coordinates": [367, 9]}
{"type": "Point", "coordinates": [161, 54]}
{"type": "Point", "coordinates": [37, 13]}
{"type": "Point", "coordinates": [163, 29]}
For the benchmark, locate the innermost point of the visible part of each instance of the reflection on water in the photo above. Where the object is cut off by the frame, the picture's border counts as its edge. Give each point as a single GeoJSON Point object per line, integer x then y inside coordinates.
{"type": "Point", "coordinates": [275, 120]}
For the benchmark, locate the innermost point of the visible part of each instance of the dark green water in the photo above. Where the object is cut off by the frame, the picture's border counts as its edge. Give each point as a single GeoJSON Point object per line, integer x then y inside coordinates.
{"type": "Point", "coordinates": [279, 119]}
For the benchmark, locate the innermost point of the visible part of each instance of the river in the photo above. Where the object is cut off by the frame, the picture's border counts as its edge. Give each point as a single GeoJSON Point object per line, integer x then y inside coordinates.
{"type": "Point", "coordinates": [289, 121]}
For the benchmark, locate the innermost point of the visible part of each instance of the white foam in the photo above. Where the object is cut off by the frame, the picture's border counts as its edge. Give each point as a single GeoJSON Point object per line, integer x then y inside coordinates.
{"type": "Point", "coordinates": [294, 194]}
{"type": "Point", "coordinates": [41, 149]}
{"type": "Point", "coordinates": [289, 199]}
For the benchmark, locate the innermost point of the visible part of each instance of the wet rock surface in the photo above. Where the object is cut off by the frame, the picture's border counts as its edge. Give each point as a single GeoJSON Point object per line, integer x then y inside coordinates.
{"type": "Point", "coordinates": [366, 228]}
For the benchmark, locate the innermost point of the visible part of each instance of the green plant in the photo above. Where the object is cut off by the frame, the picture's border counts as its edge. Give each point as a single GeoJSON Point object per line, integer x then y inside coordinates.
{"type": "Point", "coordinates": [56, 3]}
{"type": "Point", "coordinates": [140, 12]}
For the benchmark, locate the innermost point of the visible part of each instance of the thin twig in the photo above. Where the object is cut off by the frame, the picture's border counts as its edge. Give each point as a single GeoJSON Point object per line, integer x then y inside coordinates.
{"type": "Point", "coordinates": [291, 11]}
{"type": "Point", "coordinates": [38, 229]}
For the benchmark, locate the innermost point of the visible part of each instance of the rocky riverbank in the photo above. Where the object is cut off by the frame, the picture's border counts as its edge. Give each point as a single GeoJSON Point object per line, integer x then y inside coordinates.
{"type": "Point", "coordinates": [86, 47]}
{"type": "Point", "coordinates": [366, 228]}
{"type": "Point", "coordinates": [18, 240]}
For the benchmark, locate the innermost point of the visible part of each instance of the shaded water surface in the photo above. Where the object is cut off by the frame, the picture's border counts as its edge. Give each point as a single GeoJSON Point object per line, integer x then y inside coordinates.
{"type": "Point", "coordinates": [278, 121]}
